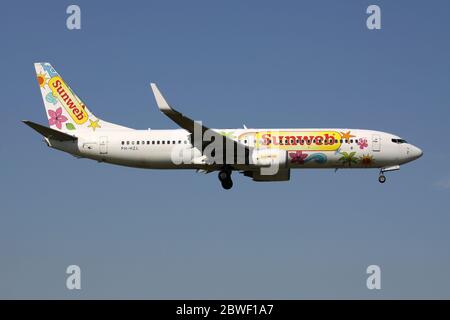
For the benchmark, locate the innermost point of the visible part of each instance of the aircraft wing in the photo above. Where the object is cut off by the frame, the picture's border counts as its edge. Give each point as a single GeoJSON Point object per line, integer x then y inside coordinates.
{"type": "Point", "coordinates": [196, 128]}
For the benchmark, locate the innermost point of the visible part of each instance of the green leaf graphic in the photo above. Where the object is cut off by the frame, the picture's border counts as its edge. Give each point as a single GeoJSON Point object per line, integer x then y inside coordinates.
{"type": "Point", "coordinates": [70, 126]}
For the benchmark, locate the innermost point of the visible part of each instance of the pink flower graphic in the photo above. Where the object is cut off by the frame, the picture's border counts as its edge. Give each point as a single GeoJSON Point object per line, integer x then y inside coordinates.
{"type": "Point", "coordinates": [298, 157]}
{"type": "Point", "coordinates": [362, 143]}
{"type": "Point", "coordinates": [56, 118]}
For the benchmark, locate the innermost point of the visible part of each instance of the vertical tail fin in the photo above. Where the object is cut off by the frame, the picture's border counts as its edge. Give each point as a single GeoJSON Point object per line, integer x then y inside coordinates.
{"type": "Point", "coordinates": [65, 111]}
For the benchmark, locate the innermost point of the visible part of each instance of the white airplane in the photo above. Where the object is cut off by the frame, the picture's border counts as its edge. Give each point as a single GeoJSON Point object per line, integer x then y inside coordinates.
{"type": "Point", "coordinates": [262, 154]}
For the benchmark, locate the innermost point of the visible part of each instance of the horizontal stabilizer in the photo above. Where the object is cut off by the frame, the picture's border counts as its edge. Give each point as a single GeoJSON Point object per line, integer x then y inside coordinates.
{"type": "Point", "coordinates": [50, 133]}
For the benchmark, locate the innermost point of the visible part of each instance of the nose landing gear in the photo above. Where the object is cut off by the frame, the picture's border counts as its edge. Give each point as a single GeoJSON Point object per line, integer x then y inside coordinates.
{"type": "Point", "coordinates": [225, 179]}
{"type": "Point", "coordinates": [381, 177]}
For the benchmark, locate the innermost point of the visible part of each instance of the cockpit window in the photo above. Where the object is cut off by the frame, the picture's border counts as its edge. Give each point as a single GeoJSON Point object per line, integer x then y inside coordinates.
{"type": "Point", "coordinates": [399, 141]}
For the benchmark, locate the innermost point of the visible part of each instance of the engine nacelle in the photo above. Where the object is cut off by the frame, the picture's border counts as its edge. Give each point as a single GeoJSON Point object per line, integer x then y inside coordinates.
{"type": "Point", "coordinates": [270, 157]}
{"type": "Point", "coordinates": [280, 175]}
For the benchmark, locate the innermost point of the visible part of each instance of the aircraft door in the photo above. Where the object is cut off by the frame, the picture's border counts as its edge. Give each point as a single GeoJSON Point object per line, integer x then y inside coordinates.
{"type": "Point", "coordinates": [103, 145]}
{"type": "Point", "coordinates": [376, 142]}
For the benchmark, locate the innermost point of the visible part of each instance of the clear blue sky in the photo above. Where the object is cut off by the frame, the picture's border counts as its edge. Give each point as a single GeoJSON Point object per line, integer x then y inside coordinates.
{"type": "Point", "coordinates": [176, 234]}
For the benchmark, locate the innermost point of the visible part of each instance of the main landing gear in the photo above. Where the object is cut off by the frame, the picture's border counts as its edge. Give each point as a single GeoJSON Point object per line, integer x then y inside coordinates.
{"type": "Point", "coordinates": [382, 178]}
{"type": "Point", "coordinates": [225, 179]}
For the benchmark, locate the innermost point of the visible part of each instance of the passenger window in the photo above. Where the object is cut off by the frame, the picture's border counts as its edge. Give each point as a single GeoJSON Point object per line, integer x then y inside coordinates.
{"type": "Point", "coordinates": [128, 142]}
{"type": "Point", "coordinates": [179, 141]}
{"type": "Point", "coordinates": [137, 142]}
{"type": "Point", "coordinates": [123, 142]}
{"type": "Point", "coordinates": [153, 141]}
{"type": "Point", "coordinates": [132, 142]}
{"type": "Point", "coordinates": [163, 142]}
{"type": "Point", "coordinates": [157, 142]}
{"type": "Point", "coordinates": [185, 142]}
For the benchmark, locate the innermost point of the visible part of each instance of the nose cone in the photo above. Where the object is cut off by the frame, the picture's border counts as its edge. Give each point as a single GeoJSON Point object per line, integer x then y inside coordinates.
{"type": "Point", "coordinates": [415, 152]}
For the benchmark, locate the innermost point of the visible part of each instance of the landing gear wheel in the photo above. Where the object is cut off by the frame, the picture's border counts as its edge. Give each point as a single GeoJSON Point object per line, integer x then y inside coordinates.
{"type": "Point", "coordinates": [225, 178]}
{"type": "Point", "coordinates": [227, 184]}
{"type": "Point", "coordinates": [382, 178]}
{"type": "Point", "coordinates": [224, 175]}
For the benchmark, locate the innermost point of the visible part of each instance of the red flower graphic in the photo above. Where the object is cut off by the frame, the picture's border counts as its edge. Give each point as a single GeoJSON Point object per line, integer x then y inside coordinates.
{"type": "Point", "coordinates": [298, 157]}
{"type": "Point", "coordinates": [362, 143]}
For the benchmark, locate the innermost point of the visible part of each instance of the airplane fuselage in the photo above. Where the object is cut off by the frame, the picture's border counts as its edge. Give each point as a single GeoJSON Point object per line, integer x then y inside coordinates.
{"type": "Point", "coordinates": [304, 148]}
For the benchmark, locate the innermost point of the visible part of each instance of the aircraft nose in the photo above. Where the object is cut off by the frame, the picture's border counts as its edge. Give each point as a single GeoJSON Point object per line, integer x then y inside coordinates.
{"type": "Point", "coordinates": [416, 152]}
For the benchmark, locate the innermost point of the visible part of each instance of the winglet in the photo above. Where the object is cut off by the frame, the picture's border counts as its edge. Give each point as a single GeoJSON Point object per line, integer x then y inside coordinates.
{"type": "Point", "coordinates": [160, 101]}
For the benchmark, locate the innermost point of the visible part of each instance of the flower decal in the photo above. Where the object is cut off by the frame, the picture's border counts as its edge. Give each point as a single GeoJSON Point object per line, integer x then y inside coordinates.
{"type": "Point", "coordinates": [56, 118]}
{"type": "Point", "coordinates": [362, 143]}
{"type": "Point", "coordinates": [298, 157]}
